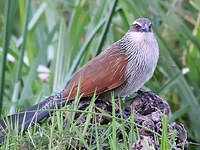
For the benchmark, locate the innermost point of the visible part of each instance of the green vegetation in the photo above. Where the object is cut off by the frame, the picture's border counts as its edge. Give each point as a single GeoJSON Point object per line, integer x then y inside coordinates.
{"type": "Point", "coordinates": [60, 36]}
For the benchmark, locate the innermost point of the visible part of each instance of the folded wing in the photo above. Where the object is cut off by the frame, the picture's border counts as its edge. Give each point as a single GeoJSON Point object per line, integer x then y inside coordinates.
{"type": "Point", "coordinates": [103, 73]}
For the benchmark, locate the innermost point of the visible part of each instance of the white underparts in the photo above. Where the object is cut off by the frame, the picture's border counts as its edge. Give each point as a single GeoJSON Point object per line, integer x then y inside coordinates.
{"type": "Point", "coordinates": [142, 51]}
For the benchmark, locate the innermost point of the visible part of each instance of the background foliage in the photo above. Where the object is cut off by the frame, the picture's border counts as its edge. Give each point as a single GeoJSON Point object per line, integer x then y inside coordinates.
{"type": "Point", "coordinates": [50, 40]}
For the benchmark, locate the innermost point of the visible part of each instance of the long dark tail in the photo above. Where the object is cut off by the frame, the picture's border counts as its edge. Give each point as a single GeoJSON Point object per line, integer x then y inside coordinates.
{"type": "Point", "coordinates": [28, 117]}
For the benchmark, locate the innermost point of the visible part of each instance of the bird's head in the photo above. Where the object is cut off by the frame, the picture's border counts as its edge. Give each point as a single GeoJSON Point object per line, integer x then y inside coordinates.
{"type": "Point", "coordinates": [140, 36]}
{"type": "Point", "coordinates": [141, 25]}
{"type": "Point", "coordinates": [140, 33]}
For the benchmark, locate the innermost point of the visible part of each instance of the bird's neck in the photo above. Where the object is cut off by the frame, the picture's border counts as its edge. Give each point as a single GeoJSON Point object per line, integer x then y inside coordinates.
{"type": "Point", "coordinates": [137, 42]}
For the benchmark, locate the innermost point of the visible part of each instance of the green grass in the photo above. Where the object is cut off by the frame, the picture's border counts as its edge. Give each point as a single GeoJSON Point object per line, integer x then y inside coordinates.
{"type": "Point", "coordinates": [74, 134]}
{"type": "Point", "coordinates": [69, 33]}
{"type": "Point", "coordinates": [164, 141]}
{"type": "Point", "coordinates": [9, 12]}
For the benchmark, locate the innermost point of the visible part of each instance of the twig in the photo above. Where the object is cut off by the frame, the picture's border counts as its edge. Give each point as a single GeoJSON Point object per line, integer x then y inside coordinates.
{"type": "Point", "coordinates": [29, 133]}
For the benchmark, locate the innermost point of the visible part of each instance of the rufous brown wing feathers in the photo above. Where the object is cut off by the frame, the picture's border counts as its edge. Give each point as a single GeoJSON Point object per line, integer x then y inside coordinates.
{"type": "Point", "coordinates": [103, 73]}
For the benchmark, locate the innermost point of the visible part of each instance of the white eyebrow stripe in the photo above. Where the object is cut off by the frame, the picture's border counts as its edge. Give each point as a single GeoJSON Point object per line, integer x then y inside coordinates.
{"type": "Point", "coordinates": [135, 22]}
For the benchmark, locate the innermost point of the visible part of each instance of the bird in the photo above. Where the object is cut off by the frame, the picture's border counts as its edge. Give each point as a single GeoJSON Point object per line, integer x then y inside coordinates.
{"type": "Point", "coordinates": [122, 69]}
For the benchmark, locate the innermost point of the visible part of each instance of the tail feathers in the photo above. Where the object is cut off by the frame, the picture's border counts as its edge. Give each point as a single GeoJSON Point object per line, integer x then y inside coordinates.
{"type": "Point", "coordinates": [28, 117]}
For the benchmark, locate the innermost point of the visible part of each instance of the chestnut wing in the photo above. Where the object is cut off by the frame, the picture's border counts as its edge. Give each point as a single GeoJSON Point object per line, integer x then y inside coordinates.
{"type": "Point", "coordinates": [103, 73]}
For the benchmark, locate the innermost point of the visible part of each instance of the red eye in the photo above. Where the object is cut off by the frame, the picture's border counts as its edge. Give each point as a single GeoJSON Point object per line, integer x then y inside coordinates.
{"type": "Point", "coordinates": [137, 26]}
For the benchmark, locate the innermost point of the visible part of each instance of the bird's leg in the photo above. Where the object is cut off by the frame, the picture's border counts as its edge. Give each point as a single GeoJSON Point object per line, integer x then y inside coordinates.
{"type": "Point", "coordinates": [107, 97]}
{"type": "Point", "coordinates": [122, 111]}
{"type": "Point", "coordinates": [117, 108]}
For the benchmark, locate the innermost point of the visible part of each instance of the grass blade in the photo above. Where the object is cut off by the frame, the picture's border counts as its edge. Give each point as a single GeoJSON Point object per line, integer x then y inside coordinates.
{"type": "Point", "coordinates": [91, 106]}
{"type": "Point", "coordinates": [106, 27]}
{"type": "Point", "coordinates": [29, 80]}
{"type": "Point", "coordinates": [9, 12]}
{"type": "Point", "coordinates": [83, 50]}
{"type": "Point", "coordinates": [20, 65]}
{"type": "Point", "coordinates": [164, 140]}
{"type": "Point", "coordinates": [21, 57]}
{"type": "Point", "coordinates": [60, 57]}
{"type": "Point", "coordinates": [114, 125]}
{"type": "Point", "coordinates": [96, 133]}
{"type": "Point", "coordinates": [123, 18]}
